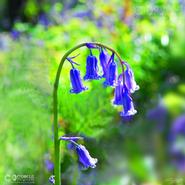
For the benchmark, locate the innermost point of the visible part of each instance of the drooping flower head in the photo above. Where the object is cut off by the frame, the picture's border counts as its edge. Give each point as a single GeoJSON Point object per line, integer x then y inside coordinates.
{"type": "Point", "coordinates": [118, 92]}
{"type": "Point", "coordinates": [128, 106]}
{"type": "Point", "coordinates": [83, 155]}
{"type": "Point", "coordinates": [129, 79]}
{"type": "Point", "coordinates": [111, 72]}
{"type": "Point", "coordinates": [104, 59]}
{"type": "Point", "coordinates": [124, 85]}
{"type": "Point", "coordinates": [76, 81]}
{"type": "Point", "coordinates": [91, 68]}
{"type": "Point", "coordinates": [85, 158]}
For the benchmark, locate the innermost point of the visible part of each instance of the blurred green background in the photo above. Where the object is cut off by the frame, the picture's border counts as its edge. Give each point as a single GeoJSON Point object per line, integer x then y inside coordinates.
{"type": "Point", "coordinates": [33, 37]}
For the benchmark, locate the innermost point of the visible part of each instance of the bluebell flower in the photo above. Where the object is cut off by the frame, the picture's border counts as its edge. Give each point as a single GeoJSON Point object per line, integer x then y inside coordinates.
{"type": "Point", "coordinates": [76, 81]}
{"type": "Point", "coordinates": [111, 73]}
{"type": "Point", "coordinates": [104, 59]}
{"type": "Point", "coordinates": [15, 34]}
{"type": "Point", "coordinates": [158, 115]}
{"type": "Point", "coordinates": [85, 158]}
{"type": "Point", "coordinates": [129, 79]}
{"type": "Point", "coordinates": [91, 68]}
{"type": "Point", "coordinates": [118, 92]}
{"type": "Point", "coordinates": [49, 165]}
{"type": "Point", "coordinates": [128, 106]}
{"type": "Point", "coordinates": [83, 155]}
{"type": "Point", "coordinates": [177, 143]}
{"type": "Point", "coordinates": [178, 127]}
{"type": "Point", "coordinates": [43, 20]}
{"type": "Point", "coordinates": [52, 179]}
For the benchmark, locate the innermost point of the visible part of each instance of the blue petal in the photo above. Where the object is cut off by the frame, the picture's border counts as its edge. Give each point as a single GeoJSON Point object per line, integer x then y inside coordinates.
{"type": "Point", "coordinates": [76, 82]}
{"type": "Point", "coordinates": [104, 59]}
{"type": "Point", "coordinates": [118, 92]}
{"type": "Point", "coordinates": [130, 80]}
{"type": "Point", "coordinates": [91, 68]}
{"type": "Point", "coordinates": [49, 165]}
{"type": "Point", "coordinates": [128, 106]}
{"type": "Point", "coordinates": [111, 73]}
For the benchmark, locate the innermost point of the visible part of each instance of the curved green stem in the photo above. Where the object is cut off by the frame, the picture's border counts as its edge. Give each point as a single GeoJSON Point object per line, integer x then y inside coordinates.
{"type": "Point", "coordinates": [55, 105]}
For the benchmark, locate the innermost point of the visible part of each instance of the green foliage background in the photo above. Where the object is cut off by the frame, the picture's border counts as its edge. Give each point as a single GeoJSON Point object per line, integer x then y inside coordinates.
{"type": "Point", "coordinates": [153, 44]}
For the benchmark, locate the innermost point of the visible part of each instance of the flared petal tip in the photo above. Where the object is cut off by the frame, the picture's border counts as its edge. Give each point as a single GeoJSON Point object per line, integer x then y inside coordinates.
{"type": "Point", "coordinates": [106, 84]}
{"type": "Point", "coordinates": [74, 91]}
{"type": "Point", "coordinates": [86, 78]}
{"type": "Point", "coordinates": [135, 89]}
{"type": "Point", "coordinates": [116, 103]}
{"type": "Point", "coordinates": [129, 113]}
{"type": "Point", "coordinates": [93, 163]}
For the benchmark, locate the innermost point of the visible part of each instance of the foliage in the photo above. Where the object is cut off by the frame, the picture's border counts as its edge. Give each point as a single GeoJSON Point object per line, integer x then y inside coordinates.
{"type": "Point", "coordinates": [150, 36]}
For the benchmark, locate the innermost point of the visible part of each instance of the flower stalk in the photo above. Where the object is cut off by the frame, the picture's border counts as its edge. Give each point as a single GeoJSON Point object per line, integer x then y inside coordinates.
{"type": "Point", "coordinates": [57, 172]}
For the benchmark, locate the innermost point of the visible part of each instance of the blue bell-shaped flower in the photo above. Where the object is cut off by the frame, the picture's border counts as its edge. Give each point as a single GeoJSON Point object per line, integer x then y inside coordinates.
{"type": "Point", "coordinates": [104, 59]}
{"type": "Point", "coordinates": [85, 158]}
{"type": "Point", "coordinates": [128, 106]}
{"type": "Point", "coordinates": [129, 79]}
{"type": "Point", "coordinates": [76, 81]}
{"type": "Point", "coordinates": [83, 154]}
{"type": "Point", "coordinates": [111, 72]}
{"type": "Point", "coordinates": [118, 92]}
{"type": "Point", "coordinates": [91, 68]}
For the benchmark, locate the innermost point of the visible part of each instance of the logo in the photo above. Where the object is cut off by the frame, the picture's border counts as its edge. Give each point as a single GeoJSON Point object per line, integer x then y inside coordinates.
{"type": "Point", "coordinates": [22, 178]}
